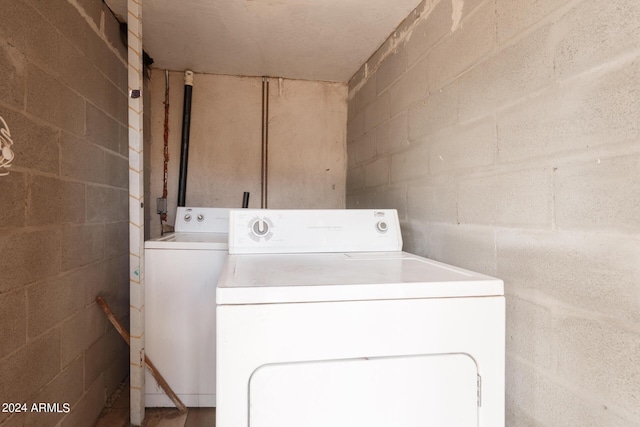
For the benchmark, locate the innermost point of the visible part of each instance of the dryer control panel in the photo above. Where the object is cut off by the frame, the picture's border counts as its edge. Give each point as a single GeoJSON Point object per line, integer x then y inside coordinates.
{"type": "Point", "coordinates": [314, 231]}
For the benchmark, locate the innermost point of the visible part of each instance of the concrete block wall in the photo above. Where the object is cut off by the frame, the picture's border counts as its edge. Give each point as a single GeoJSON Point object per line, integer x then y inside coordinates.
{"type": "Point", "coordinates": [307, 158]}
{"type": "Point", "coordinates": [63, 209]}
{"type": "Point", "coordinates": [507, 135]}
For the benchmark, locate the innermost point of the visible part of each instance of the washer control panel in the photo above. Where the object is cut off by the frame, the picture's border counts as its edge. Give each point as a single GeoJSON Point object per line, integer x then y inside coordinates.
{"type": "Point", "coordinates": [310, 230]}
{"type": "Point", "coordinates": [202, 220]}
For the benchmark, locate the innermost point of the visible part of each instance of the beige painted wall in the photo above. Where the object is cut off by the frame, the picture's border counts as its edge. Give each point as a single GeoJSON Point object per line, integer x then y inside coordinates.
{"type": "Point", "coordinates": [307, 144]}
{"type": "Point", "coordinates": [307, 138]}
{"type": "Point", "coordinates": [506, 133]}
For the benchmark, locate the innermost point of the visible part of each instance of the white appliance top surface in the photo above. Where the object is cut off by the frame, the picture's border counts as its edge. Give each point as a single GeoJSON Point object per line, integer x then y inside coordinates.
{"type": "Point", "coordinates": [218, 241]}
{"type": "Point", "coordinates": [282, 278]}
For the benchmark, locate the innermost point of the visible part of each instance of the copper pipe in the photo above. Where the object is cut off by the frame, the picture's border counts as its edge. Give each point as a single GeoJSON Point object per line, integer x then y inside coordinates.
{"type": "Point", "coordinates": [163, 216]}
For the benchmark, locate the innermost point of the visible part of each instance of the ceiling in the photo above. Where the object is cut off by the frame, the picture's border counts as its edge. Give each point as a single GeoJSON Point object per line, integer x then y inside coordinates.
{"type": "Point", "coordinates": [299, 39]}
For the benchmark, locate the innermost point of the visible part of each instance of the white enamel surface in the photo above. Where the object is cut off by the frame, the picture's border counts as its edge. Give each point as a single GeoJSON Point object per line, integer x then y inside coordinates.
{"type": "Point", "coordinates": [202, 220]}
{"type": "Point", "coordinates": [196, 228]}
{"type": "Point", "coordinates": [189, 241]}
{"type": "Point", "coordinates": [277, 278]}
{"type": "Point", "coordinates": [252, 337]}
{"type": "Point", "coordinates": [182, 269]}
{"type": "Point", "coordinates": [254, 231]}
{"type": "Point", "coordinates": [347, 339]}
{"type": "Point", "coordinates": [301, 39]}
{"type": "Point", "coordinates": [180, 319]}
{"type": "Point", "coordinates": [438, 390]}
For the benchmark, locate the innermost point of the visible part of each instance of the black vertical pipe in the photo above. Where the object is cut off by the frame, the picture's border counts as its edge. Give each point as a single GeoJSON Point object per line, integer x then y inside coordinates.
{"type": "Point", "coordinates": [265, 140]}
{"type": "Point", "coordinates": [186, 128]}
{"type": "Point", "coordinates": [245, 200]}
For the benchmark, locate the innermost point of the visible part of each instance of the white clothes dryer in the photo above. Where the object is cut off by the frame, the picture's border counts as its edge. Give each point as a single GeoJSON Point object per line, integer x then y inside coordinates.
{"type": "Point", "coordinates": [324, 321]}
{"type": "Point", "coordinates": [181, 270]}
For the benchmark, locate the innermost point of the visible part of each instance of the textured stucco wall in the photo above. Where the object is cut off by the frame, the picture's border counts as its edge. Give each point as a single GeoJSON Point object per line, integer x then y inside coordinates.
{"type": "Point", "coordinates": [63, 208]}
{"type": "Point", "coordinates": [307, 144]}
{"type": "Point", "coordinates": [307, 138]}
{"type": "Point", "coordinates": [506, 133]}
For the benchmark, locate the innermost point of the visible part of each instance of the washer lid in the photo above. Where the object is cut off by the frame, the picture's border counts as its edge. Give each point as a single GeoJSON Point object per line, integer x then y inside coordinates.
{"type": "Point", "coordinates": [199, 240]}
{"type": "Point", "coordinates": [285, 278]}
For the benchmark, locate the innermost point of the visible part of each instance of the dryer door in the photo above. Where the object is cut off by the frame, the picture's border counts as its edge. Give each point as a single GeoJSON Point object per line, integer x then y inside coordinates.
{"type": "Point", "coordinates": [406, 391]}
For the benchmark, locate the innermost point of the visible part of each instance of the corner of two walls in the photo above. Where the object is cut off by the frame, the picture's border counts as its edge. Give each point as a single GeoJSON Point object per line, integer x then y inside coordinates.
{"type": "Point", "coordinates": [506, 133]}
{"type": "Point", "coordinates": [307, 139]}
{"type": "Point", "coordinates": [63, 213]}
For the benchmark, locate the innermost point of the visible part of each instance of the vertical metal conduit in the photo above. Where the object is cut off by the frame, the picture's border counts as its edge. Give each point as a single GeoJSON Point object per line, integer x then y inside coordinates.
{"type": "Point", "coordinates": [265, 139]}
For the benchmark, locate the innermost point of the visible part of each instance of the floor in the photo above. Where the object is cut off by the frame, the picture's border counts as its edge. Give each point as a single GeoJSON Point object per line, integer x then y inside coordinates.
{"type": "Point", "coordinates": [116, 414]}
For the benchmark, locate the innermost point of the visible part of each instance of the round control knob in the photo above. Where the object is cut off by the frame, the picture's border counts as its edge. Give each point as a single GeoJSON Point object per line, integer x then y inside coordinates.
{"type": "Point", "coordinates": [260, 228]}
{"type": "Point", "coordinates": [200, 218]}
{"type": "Point", "coordinates": [382, 226]}
{"type": "Point", "coordinates": [187, 217]}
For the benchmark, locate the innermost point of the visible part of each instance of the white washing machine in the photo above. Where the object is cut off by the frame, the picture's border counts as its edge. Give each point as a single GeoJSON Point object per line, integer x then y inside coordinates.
{"type": "Point", "coordinates": [181, 270]}
{"type": "Point", "coordinates": [324, 321]}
